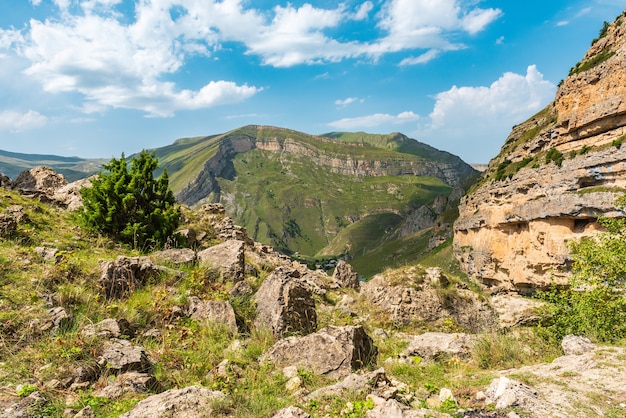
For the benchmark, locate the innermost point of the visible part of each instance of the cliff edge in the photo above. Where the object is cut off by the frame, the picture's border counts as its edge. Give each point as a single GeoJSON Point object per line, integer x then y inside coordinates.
{"type": "Point", "coordinates": [555, 175]}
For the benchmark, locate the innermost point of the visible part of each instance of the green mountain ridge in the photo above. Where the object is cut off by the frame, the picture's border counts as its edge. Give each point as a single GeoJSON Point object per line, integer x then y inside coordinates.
{"type": "Point", "coordinates": [73, 168]}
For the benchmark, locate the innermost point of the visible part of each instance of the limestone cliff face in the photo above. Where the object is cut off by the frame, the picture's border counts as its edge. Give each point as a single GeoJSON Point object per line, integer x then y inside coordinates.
{"type": "Point", "coordinates": [204, 187]}
{"type": "Point", "coordinates": [555, 175]}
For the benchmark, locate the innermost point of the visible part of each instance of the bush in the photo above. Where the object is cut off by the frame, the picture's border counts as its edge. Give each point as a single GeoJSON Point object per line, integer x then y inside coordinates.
{"type": "Point", "coordinates": [131, 206]}
{"type": "Point", "coordinates": [594, 305]}
{"type": "Point", "coordinates": [554, 155]}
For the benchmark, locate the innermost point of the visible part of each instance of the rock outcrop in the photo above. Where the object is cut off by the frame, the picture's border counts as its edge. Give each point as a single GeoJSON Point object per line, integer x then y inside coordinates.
{"type": "Point", "coordinates": [555, 175]}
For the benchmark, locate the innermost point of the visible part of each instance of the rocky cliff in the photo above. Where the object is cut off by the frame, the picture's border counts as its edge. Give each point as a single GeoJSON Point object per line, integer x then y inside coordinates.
{"type": "Point", "coordinates": [555, 175]}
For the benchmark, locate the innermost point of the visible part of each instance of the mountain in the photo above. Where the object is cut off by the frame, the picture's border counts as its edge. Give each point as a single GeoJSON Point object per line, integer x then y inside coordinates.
{"type": "Point", "coordinates": [554, 176]}
{"type": "Point", "coordinates": [318, 196]}
{"type": "Point", "coordinates": [73, 168]}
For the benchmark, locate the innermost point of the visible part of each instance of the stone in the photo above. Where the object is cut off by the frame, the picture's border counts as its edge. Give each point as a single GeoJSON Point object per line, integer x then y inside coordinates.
{"type": "Point", "coordinates": [57, 318]}
{"type": "Point", "coordinates": [291, 412]}
{"type": "Point", "coordinates": [39, 179]}
{"type": "Point", "coordinates": [189, 402]}
{"type": "Point", "coordinates": [120, 356]}
{"type": "Point", "coordinates": [345, 276]}
{"type": "Point", "coordinates": [47, 253]}
{"type": "Point", "coordinates": [575, 345]}
{"type": "Point", "coordinates": [514, 310]}
{"type": "Point", "coordinates": [226, 258]}
{"type": "Point", "coordinates": [505, 392]}
{"type": "Point", "coordinates": [108, 328]}
{"type": "Point", "coordinates": [332, 351]}
{"type": "Point", "coordinates": [5, 181]}
{"type": "Point", "coordinates": [212, 311]}
{"type": "Point", "coordinates": [125, 274]}
{"type": "Point", "coordinates": [25, 407]}
{"type": "Point", "coordinates": [86, 412]}
{"type": "Point", "coordinates": [241, 289]}
{"type": "Point", "coordinates": [130, 382]}
{"type": "Point", "coordinates": [353, 383]}
{"type": "Point", "coordinates": [69, 194]}
{"type": "Point", "coordinates": [175, 256]}
{"type": "Point", "coordinates": [8, 225]}
{"type": "Point", "coordinates": [438, 345]}
{"type": "Point", "coordinates": [285, 305]}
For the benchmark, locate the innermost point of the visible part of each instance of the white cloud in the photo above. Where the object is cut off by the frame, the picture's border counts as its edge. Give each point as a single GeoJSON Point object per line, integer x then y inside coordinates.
{"type": "Point", "coordinates": [363, 11]}
{"type": "Point", "coordinates": [479, 118]}
{"type": "Point", "coordinates": [345, 102]}
{"type": "Point", "coordinates": [35, 2]}
{"type": "Point", "coordinates": [13, 121]}
{"type": "Point", "coordinates": [427, 56]}
{"type": "Point", "coordinates": [371, 121]}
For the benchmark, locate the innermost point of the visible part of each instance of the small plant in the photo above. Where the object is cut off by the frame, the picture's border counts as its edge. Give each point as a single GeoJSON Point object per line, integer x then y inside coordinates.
{"type": "Point", "coordinates": [24, 390]}
{"type": "Point", "coordinates": [554, 155]}
{"type": "Point", "coordinates": [617, 143]}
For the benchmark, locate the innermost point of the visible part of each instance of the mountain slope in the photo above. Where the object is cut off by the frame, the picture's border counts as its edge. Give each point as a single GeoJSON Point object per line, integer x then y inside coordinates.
{"type": "Point", "coordinates": [298, 191]}
{"type": "Point", "coordinates": [555, 175]}
{"type": "Point", "coordinates": [73, 168]}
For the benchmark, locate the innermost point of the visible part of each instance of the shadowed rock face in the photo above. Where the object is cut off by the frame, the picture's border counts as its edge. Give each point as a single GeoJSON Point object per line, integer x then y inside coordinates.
{"type": "Point", "coordinates": [513, 232]}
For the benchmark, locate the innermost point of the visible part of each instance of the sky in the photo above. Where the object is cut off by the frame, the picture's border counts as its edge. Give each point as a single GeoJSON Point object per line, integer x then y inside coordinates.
{"type": "Point", "coordinates": [98, 78]}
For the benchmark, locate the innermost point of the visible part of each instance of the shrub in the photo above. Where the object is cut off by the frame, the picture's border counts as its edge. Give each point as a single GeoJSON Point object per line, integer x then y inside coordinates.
{"type": "Point", "coordinates": [594, 305]}
{"type": "Point", "coordinates": [131, 205]}
{"type": "Point", "coordinates": [554, 155]}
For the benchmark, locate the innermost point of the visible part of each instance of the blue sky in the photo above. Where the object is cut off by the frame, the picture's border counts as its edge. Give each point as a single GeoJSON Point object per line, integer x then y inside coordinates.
{"type": "Point", "coordinates": [95, 78]}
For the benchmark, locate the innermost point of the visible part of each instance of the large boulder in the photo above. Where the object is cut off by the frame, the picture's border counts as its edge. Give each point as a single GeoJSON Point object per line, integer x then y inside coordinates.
{"type": "Point", "coordinates": [212, 311]}
{"type": "Point", "coordinates": [125, 274]}
{"type": "Point", "coordinates": [120, 356]}
{"type": "Point", "coordinates": [5, 181]}
{"type": "Point", "coordinates": [345, 276]}
{"type": "Point", "coordinates": [40, 179]}
{"type": "Point", "coordinates": [226, 258]}
{"type": "Point", "coordinates": [285, 304]}
{"type": "Point", "coordinates": [69, 194]}
{"type": "Point", "coordinates": [436, 345]}
{"type": "Point", "coordinates": [332, 351]}
{"type": "Point", "coordinates": [189, 402]}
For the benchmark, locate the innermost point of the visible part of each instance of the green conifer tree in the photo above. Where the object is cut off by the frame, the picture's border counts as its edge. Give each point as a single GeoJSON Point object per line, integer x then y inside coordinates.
{"type": "Point", "coordinates": [131, 205]}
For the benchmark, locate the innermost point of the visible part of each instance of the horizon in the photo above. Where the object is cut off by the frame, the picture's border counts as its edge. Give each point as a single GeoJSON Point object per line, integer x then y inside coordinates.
{"type": "Point", "coordinates": [98, 78]}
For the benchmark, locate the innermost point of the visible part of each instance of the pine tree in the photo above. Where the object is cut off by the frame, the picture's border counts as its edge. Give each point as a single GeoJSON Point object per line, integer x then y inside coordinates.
{"type": "Point", "coordinates": [131, 205]}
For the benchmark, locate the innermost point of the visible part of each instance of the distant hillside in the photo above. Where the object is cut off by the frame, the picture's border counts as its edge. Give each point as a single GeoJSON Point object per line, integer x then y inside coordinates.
{"type": "Point", "coordinates": [73, 168]}
{"type": "Point", "coordinates": [298, 192]}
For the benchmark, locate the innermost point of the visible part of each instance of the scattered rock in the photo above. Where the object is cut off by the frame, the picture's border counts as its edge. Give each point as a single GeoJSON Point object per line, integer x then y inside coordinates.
{"type": "Point", "coordinates": [108, 328]}
{"type": "Point", "coordinates": [212, 311]}
{"type": "Point", "coordinates": [86, 412]}
{"type": "Point", "coordinates": [345, 276]}
{"type": "Point", "coordinates": [48, 254]}
{"type": "Point", "coordinates": [241, 289]}
{"type": "Point", "coordinates": [8, 225]}
{"type": "Point", "coordinates": [125, 274]}
{"type": "Point", "coordinates": [131, 382]}
{"type": "Point", "coordinates": [226, 258]}
{"type": "Point", "coordinates": [505, 392]}
{"type": "Point", "coordinates": [332, 351]}
{"type": "Point", "coordinates": [285, 304]}
{"type": "Point", "coordinates": [436, 345]}
{"type": "Point", "coordinates": [57, 318]}
{"type": "Point", "coordinates": [291, 412]}
{"type": "Point", "coordinates": [175, 256]}
{"type": "Point", "coordinates": [190, 402]}
{"type": "Point", "coordinates": [5, 182]}
{"type": "Point", "coordinates": [121, 356]}
{"type": "Point", "coordinates": [69, 195]}
{"type": "Point", "coordinates": [25, 407]}
{"type": "Point", "coordinates": [39, 180]}
{"type": "Point", "coordinates": [575, 345]}
{"type": "Point", "coordinates": [515, 310]}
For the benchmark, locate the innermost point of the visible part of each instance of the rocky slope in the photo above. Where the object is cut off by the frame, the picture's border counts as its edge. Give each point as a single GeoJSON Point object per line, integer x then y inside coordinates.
{"type": "Point", "coordinates": [555, 175]}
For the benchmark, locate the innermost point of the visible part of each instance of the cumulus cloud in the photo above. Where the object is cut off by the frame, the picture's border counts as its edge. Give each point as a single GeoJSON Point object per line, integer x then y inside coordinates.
{"type": "Point", "coordinates": [13, 121]}
{"type": "Point", "coordinates": [345, 102]}
{"type": "Point", "coordinates": [481, 117]}
{"type": "Point", "coordinates": [372, 121]}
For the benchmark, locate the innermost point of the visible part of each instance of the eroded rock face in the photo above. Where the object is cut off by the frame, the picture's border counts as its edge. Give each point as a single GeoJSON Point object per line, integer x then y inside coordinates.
{"type": "Point", "coordinates": [332, 351]}
{"type": "Point", "coordinates": [513, 230]}
{"type": "Point", "coordinates": [345, 276]}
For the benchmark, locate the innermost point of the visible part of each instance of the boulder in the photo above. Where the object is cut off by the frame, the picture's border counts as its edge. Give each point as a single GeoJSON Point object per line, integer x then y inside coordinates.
{"type": "Point", "coordinates": [332, 351]}
{"type": "Point", "coordinates": [48, 253]}
{"type": "Point", "coordinates": [119, 277]}
{"type": "Point", "coordinates": [291, 412]}
{"type": "Point", "coordinates": [226, 258]}
{"type": "Point", "coordinates": [69, 194]}
{"type": "Point", "coordinates": [131, 382]}
{"type": "Point", "coordinates": [505, 392]}
{"type": "Point", "coordinates": [5, 182]}
{"type": "Point", "coordinates": [345, 276]}
{"type": "Point", "coordinates": [8, 225]}
{"type": "Point", "coordinates": [189, 402]}
{"type": "Point", "coordinates": [515, 310]}
{"type": "Point", "coordinates": [40, 179]}
{"type": "Point", "coordinates": [212, 311]}
{"type": "Point", "coordinates": [120, 356]}
{"type": "Point", "coordinates": [285, 305]}
{"type": "Point", "coordinates": [108, 328]}
{"type": "Point", "coordinates": [175, 256]}
{"type": "Point", "coordinates": [575, 345]}
{"type": "Point", "coordinates": [436, 345]}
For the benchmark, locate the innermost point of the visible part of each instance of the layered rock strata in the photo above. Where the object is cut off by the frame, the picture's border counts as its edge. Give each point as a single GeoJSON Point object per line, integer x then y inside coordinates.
{"type": "Point", "coordinates": [555, 175]}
